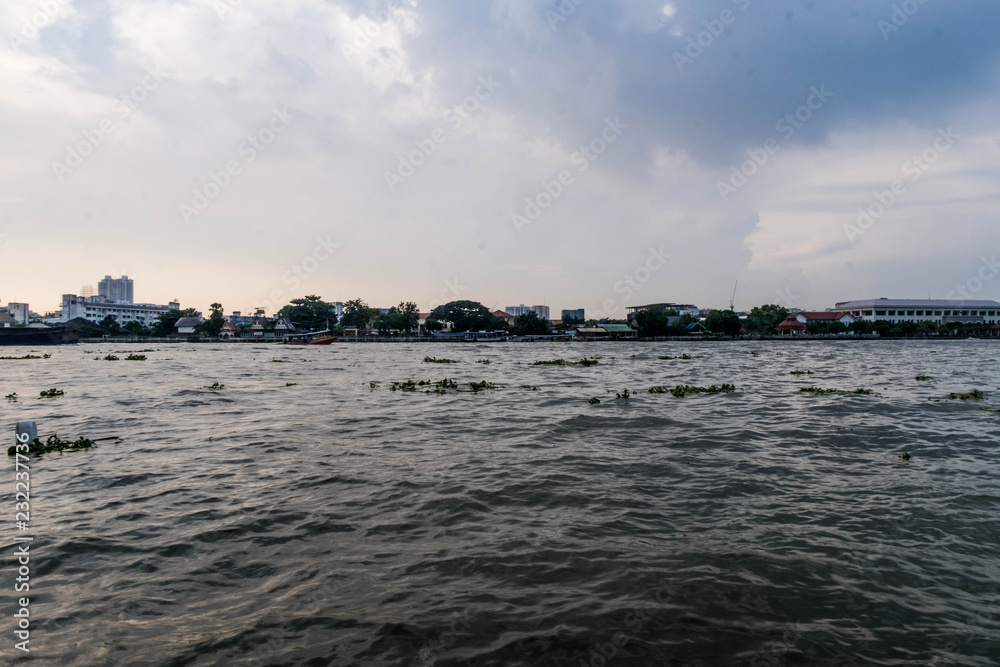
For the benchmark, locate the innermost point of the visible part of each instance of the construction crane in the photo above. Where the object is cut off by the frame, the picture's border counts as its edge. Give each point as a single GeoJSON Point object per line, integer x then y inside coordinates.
{"type": "Point", "coordinates": [732, 299]}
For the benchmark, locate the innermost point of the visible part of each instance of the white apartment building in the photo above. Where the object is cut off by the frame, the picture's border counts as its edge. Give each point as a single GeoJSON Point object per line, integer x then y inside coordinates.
{"type": "Point", "coordinates": [541, 311]}
{"type": "Point", "coordinates": [939, 311]}
{"type": "Point", "coordinates": [96, 308]}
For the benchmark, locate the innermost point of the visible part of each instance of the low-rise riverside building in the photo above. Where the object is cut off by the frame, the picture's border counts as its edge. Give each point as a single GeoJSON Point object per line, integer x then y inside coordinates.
{"type": "Point", "coordinates": [96, 308]}
{"type": "Point", "coordinates": [938, 311]}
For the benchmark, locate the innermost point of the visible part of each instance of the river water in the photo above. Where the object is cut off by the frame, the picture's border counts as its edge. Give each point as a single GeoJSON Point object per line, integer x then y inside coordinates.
{"type": "Point", "coordinates": [303, 515]}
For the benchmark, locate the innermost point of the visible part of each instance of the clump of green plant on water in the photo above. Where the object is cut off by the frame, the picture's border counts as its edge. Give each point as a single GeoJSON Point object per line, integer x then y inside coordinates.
{"type": "Point", "coordinates": [215, 386]}
{"type": "Point", "coordinates": [562, 362]}
{"type": "Point", "coordinates": [111, 357]}
{"type": "Point", "coordinates": [593, 401]}
{"type": "Point", "coordinates": [291, 384]}
{"type": "Point", "coordinates": [684, 356]}
{"type": "Point", "coordinates": [279, 361]}
{"type": "Point", "coordinates": [905, 456]}
{"type": "Point", "coordinates": [27, 356]}
{"type": "Point", "coordinates": [11, 396]}
{"type": "Point", "coordinates": [860, 391]}
{"type": "Point", "coordinates": [483, 361]}
{"type": "Point", "coordinates": [483, 386]}
{"type": "Point", "coordinates": [682, 390]}
{"type": "Point", "coordinates": [529, 387]}
{"type": "Point", "coordinates": [52, 393]}
{"type": "Point", "coordinates": [624, 395]}
{"type": "Point", "coordinates": [974, 395]}
{"type": "Point", "coordinates": [373, 385]}
{"type": "Point", "coordinates": [55, 444]}
{"type": "Point", "coordinates": [435, 360]}
{"type": "Point", "coordinates": [408, 385]}
{"type": "Point", "coordinates": [801, 373]}
{"type": "Point", "coordinates": [754, 354]}
{"type": "Point", "coordinates": [922, 378]}
{"type": "Point", "coordinates": [440, 387]}
{"type": "Point", "coordinates": [136, 357]}
{"type": "Point", "coordinates": [984, 408]}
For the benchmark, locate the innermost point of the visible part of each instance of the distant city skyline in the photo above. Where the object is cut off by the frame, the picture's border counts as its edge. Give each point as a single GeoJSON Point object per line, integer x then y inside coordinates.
{"type": "Point", "coordinates": [623, 153]}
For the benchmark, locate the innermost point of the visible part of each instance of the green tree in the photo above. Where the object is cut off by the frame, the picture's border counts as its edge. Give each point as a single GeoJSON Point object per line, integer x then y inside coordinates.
{"type": "Point", "coordinates": [110, 325]}
{"type": "Point", "coordinates": [765, 319]}
{"type": "Point", "coordinates": [358, 314]}
{"type": "Point", "coordinates": [862, 327]}
{"type": "Point", "coordinates": [530, 324]}
{"type": "Point", "coordinates": [388, 322]}
{"type": "Point", "coordinates": [409, 314]}
{"type": "Point", "coordinates": [135, 328]}
{"type": "Point", "coordinates": [165, 322]}
{"type": "Point", "coordinates": [723, 322]}
{"type": "Point", "coordinates": [468, 316]}
{"type": "Point", "coordinates": [213, 325]}
{"type": "Point", "coordinates": [310, 313]}
{"type": "Point", "coordinates": [654, 321]}
{"type": "Point", "coordinates": [432, 324]}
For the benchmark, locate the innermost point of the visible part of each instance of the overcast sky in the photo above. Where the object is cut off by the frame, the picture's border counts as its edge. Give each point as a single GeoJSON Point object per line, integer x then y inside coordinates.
{"type": "Point", "coordinates": [585, 154]}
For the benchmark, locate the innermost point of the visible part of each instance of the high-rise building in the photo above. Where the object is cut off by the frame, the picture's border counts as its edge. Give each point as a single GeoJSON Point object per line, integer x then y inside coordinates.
{"type": "Point", "coordinates": [541, 311]}
{"type": "Point", "coordinates": [577, 313]}
{"type": "Point", "coordinates": [516, 310]}
{"type": "Point", "coordinates": [116, 290]}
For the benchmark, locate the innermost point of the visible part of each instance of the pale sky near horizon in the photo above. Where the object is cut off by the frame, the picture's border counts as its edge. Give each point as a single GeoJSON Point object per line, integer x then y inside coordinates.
{"type": "Point", "coordinates": [575, 154]}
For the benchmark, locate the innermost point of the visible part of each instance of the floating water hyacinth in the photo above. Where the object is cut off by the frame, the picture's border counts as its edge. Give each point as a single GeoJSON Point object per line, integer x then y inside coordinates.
{"type": "Point", "coordinates": [27, 356]}
{"type": "Point", "coordinates": [12, 396]}
{"type": "Point", "coordinates": [593, 401]}
{"type": "Point", "coordinates": [974, 395]}
{"type": "Point", "coordinates": [54, 444]}
{"type": "Point", "coordinates": [562, 362]}
{"type": "Point", "coordinates": [111, 357]}
{"type": "Point", "coordinates": [291, 384]}
{"type": "Point", "coordinates": [684, 356]}
{"type": "Point", "coordinates": [682, 390]}
{"type": "Point", "coordinates": [922, 378]}
{"type": "Point", "coordinates": [529, 387]}
{"type": "Point", "coordinates": [136, 357]}
{"type": "Point", "coordinates": [51, 393]}
{"type": "Point", "coordinates": [483, 361]}
{"type": "Point", "coordinates": [483, 386]}
{"type": "Point", "coordinates": [435, 360]}
{"type": "Point", "coordinates": [801, 373]}
{"type": "Point", "coordinates": [905, 456]}
{"type": "Point", "coordinates": [819, 390]}
{"type": "Point", "coordinates": [624, 395]}
{"type": "Point", "coordinates": [215, 386]}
